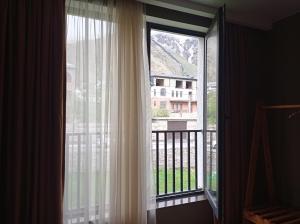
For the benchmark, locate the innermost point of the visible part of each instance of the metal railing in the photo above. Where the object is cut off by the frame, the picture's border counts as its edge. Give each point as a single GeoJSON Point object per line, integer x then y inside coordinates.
{"type": "Point", "coordinates": [176, 161]}
{"type": "Point", "coordinates": [171, 165]}
{"type": "Point", "coordinates": [176, 164]}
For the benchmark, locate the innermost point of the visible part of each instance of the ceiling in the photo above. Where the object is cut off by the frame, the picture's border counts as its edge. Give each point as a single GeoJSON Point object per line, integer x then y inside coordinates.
{"type": "Point", "coordinates": [255, 13]}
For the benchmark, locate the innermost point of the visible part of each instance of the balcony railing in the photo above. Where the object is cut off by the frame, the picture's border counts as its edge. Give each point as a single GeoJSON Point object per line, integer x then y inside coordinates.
{"type": "Point", "coordinates": [176, 161]}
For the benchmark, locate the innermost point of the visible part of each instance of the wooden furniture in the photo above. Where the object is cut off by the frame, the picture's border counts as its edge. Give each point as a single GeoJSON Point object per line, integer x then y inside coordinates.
{"type": "Point", "coordinates": [273, 212]}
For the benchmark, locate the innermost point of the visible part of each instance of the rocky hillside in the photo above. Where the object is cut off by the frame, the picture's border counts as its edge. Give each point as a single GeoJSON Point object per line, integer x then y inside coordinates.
{"type": "Point", "coordinates": [173, 54]}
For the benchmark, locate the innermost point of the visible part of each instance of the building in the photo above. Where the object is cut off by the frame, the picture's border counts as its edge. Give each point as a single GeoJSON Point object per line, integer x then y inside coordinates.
{"type": "Point", "coordinates": [175, 94]}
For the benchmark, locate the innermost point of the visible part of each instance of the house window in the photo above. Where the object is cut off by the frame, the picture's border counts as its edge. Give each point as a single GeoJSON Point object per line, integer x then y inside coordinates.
{"type": "Point", "coordinates": [162, 44]}
{"type": "Point", "coordinates": [160, 82]}
{"type": "Point", "coordinates": [188, 85]}
{"type": "Point", "coordinates": [178, 84]}
{"type": "Point", "coordinates": [163, 104]}
{"type": "Point", "coordinates": [165, 63]}
{"type": "Point", "coordinates": [163, 92]}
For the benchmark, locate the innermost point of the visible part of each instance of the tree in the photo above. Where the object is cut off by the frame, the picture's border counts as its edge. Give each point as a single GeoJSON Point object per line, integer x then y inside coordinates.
{"type": "Point", "coordinates": [160, 112]}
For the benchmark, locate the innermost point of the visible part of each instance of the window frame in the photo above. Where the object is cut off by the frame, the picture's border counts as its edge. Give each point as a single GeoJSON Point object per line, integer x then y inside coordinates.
{"type": "Point", "coordinates": [188, 85]}
{"type": "Point", "coordinates": [163, 92]}
{"type": "Point", "coordinates": [219, 20]}
{"type": "Point", "coordinates": [162, 104]}
{"type": "Point", "coordinates": [160, 81]}
{"type": "Point", "coordinates": [154, 26]}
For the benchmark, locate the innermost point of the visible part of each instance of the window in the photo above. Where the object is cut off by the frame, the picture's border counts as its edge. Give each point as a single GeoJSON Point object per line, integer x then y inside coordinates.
{"type": "Point", "coordinates": [163, 104]}
{"type": "Point", "coordinates": [175, 56]}
{"type": "Point", "coordinates": [163, 92]}
{"type": "Point", "coordinates": [178, 84]}
{"type": "Point", "coordinates": [214, 115]}
{"type": "Point", "coordinates": [89, 116]}
{"type": "Point", "coordinates": [160, 82]}
{"type": "Point", "coordinates": [170, 57]}
{"type": "Point", "coordinates": [188, 84]}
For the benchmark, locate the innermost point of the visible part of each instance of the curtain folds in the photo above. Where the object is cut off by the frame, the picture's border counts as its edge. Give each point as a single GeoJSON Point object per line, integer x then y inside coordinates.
{"type": "Point", "coordinates": [32, 91]}
{"type": "Point", "coordinates": [235, 145]}
{"type": "Point", "coordinates": [108, 122]}
{"type": "Point", "coordinates": [244, 63]}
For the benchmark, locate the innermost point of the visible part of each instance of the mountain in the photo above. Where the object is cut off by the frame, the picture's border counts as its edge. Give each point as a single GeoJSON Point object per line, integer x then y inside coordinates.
{"type": "Point", "coordinates": [173, 54]}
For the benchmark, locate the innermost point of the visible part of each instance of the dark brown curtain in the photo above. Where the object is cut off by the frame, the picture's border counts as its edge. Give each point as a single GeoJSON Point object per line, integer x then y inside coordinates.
{"type": "Point", "coordinates": [32, 92]}
{"type": "Point", "coordinates": [244, 67]}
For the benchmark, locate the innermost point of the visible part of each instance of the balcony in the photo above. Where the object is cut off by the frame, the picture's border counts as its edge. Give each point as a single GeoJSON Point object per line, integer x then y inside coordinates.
{"type": "Point", "coordinates": [175, 165]}
{"type": "Point", "coordinates": [176, 161]}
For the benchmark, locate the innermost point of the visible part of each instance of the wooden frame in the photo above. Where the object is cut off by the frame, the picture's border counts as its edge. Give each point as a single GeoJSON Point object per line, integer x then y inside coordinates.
{"type": "Point", "coordinates": [272, 213]}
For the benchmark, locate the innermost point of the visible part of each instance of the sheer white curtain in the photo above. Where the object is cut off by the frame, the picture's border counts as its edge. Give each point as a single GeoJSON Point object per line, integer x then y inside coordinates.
{"type": "Point", "coordinates": [108, 174]}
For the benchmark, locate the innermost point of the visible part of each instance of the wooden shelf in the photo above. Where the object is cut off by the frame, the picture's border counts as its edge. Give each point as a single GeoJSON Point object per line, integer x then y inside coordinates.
{"type": "Point", "coordinates": [273, 215]}
{"type": "Point", "coordinates": [281, 107]}
{"type": "Point", "coordinates": [260, 137]}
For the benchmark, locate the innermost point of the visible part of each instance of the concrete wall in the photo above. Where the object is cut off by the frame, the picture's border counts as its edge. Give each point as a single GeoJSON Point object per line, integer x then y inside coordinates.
{"type": "Point", "coordinates": [192, 213]}
{"type": "Point", "coordinates": [162, 123]}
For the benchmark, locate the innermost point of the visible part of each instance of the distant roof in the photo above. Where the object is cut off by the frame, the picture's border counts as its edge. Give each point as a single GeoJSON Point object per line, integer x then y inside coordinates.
{"type": "Point", "coordinates": [173, 76]}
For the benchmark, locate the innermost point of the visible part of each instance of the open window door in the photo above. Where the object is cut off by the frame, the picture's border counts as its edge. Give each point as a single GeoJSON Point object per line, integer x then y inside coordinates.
{"type": "Point", "coordinates": [213, 131]}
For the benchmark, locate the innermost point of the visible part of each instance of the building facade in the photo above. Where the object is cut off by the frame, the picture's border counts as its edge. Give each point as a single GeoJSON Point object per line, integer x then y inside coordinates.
{"type": "Point", "coordinates": [178, 95]}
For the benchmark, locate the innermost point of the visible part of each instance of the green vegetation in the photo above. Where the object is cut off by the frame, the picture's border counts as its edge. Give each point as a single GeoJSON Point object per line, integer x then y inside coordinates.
{"type": "Point", "coordinates": [159, 112]}
{"type": "Point", "coordinates": [177, 180]}
{"type": "Point", "coordinates": [212, 181]}
{"type": "Point", "coordinates": [211, 108]}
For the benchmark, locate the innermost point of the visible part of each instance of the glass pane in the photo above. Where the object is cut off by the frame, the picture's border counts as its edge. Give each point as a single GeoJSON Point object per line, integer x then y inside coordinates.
{"type": "Point", "coordinates": [211, 177]}
{"type": "Point", "coordinates": [175, 76]}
